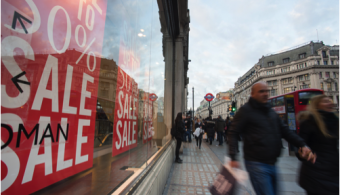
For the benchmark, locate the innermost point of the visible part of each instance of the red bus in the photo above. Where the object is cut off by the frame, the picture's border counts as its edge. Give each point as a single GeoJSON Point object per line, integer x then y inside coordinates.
{"type": "Point", "coordinates": [288, 105]}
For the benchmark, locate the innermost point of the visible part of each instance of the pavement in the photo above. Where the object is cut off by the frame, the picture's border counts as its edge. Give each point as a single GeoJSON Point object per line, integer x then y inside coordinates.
{"type": "Point", "coordinates": [200, 166]}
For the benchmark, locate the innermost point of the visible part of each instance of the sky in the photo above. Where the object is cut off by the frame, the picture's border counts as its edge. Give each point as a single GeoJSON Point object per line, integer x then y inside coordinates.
{"type": "Point", "coordinates": [227, 38]}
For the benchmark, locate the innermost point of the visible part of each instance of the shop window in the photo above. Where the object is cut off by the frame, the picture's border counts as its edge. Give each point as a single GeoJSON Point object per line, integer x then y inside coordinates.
{"type": "Point", "coordinates": [287, 89]}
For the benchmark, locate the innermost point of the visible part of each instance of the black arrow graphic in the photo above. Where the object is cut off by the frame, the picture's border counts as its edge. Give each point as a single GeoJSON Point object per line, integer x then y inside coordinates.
{"type": "Point", "coordinates": [18, 16]}
{"type": "Point", "coordinates": [16, 80]}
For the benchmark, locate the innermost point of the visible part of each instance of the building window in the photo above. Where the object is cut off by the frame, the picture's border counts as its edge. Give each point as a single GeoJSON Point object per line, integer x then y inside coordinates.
{"type": "Point", "coordinates": [318, 62]}
{"type": "Point", "coordinates": [304, 77]}
{"type": "Point", "coordinates": [271, 63]}
{"type": "Point", "coordinates": [334, 75]}
{"type": "Point", "coordinates": [275, 83]}
{"type": "Point", "coordinates": [270, 72]}
{"type": "Point", "coordinates": [305, 86]}
{"type": "Point", "coordinates": [287, 89]}
{"type": "Point", "coordinates": [336, 86]}
{"type": "Point", "coordinates": [273, 92]}
{"type": "Point", "coordinates": [285, 60]}
{"type": "Point", "coordinates": [269, 83]}
{"type": "Point", "coordinates": [329, 87]}
{"type": "Point", "coordinates": [332, 62]}
{"type": "Point", "coordinates": [320, 75]}
{"type": "Point", "coordinates": [325, 62]}
{"type": "Point", "coordinates": [327, 74]}
{"type": "Point", "coordinates": [324, 54]}
{"type": "Point", "coordinates": [287, 80]}
{"type": "Point", "coordinates": [285, 69]}
{"type": "Point", "coordinates": [302, 55]}
{"type": "Point", "coordinates": [321, 86]}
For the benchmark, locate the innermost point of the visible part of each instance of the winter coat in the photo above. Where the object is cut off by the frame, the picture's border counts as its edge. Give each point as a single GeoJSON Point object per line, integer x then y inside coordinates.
{"type": "Point", "coordinates": [210, 128]}
{"type": "Point", "coordinates": [219, 125]}
{"type": "Point", "coordinates": [323, 176]}
{"type": "Point", "coordinates": [261, 130]}
{"type": "Point", "coordinates": [180, 130]}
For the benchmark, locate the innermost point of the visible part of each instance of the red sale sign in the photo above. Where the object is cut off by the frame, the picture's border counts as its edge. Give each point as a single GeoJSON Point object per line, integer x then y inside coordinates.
{"type": "Point", "coordinates": [50, 61]}
{"type": "Point", "coordinates": [126, 114]}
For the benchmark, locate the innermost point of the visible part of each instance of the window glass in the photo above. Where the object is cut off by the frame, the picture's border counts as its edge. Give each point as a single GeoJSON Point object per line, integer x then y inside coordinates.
{"type": "Point", "coordinates": [280, 101]}
{"type": "Point", "coordinates": [93, 76]}
{"type": "Point", "coordinates": [304, 97]}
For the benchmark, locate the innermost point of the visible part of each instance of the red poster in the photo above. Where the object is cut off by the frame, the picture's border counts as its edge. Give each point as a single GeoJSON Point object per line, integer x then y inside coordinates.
{"type": "Point", "coordinates": [50, 60]}
{"type": "Point", "coordinates": [126, 114]}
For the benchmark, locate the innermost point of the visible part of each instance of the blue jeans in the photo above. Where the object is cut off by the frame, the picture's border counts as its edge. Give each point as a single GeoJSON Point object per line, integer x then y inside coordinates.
{"type": "Point", "coordinates": [263, 177]}
{"type": "Point", "coordinates": [220, 137]}
{"type": "Point", "coordinates": [187, 133]}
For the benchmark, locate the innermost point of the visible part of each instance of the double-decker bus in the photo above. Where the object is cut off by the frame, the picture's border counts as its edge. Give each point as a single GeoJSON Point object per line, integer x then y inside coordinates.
{"type": "Point", "coordinates": [288, 105]}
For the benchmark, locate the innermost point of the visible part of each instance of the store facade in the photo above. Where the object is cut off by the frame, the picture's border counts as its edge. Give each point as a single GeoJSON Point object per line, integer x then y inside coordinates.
{"type": "Point", "coordinates": [87, 91]}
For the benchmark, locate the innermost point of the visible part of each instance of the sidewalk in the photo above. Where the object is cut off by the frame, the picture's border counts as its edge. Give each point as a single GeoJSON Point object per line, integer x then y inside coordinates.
{"type": "Point", "coordinates": [200, 167]}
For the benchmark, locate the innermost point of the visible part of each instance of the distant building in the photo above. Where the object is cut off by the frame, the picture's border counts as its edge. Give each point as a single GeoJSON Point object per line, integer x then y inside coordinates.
{"type": "Point", "coordinates": [310, 65]}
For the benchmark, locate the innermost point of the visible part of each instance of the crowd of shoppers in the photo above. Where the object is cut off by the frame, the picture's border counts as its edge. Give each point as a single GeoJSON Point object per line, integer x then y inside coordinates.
{"type": "Point", "coordinates": [261, 130]}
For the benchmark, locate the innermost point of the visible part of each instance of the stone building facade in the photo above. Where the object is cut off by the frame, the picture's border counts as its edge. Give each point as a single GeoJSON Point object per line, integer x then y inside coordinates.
{"type": "Point", "coordinates": [309, 65]}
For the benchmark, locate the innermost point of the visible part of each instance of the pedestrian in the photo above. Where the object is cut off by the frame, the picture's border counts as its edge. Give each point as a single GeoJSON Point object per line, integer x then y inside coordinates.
{"type": "Point", "coordinates": [261, 129]}
{"type": "Point", "coordinates": [188, 126]}
{"type": "Point", "coordinates": [197, 124]}
{"type": "Point", "coordinates": [219, 128]}
{"type": "Point", "coordinates": [319, 127]}
{"type": "Point", "coordinates": [227, 120]}
{"type": "Point", "coordinates": [199, 134]}
{"type": "Point", "coordinates": [210, 129]}
{"type": "Point", "coordinates": [180, 130]}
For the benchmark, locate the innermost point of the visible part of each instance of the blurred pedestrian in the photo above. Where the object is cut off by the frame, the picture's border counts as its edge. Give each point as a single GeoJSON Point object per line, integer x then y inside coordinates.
{"type": "Point", "coordinates": [197, 124]}
{"type": "Point", "coordinates": [198, 134]}
{"type": "Point", "coordinates": [219, 128]}
{"type": "Point", "coordinates": [227, 124]}
{"type": "Point", "coordinates": [261, 129]}
{"type": "Point", "coordinates": [210, 129]}
{"type": "Point", "coordinates": [180, 130]}
{"type": "Point", "coordinates": [319, 127]}
{"type": "Point", "coordinates": [188, 125]}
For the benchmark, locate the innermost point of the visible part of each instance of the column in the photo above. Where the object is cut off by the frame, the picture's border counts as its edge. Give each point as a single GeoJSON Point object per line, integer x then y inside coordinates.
{"type": "Point", "coordinates": [168, 82]}
{"type": "Point", "coordinates": [179, 76]}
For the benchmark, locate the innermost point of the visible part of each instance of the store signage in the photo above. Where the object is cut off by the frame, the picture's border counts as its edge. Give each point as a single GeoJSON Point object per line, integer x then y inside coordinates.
{"type": "Point", "coordinates": [279, 109]}
{"type": "Point", "coordinates": [209, 97]}
{"type": "Point", "coordinates": [126, 114]}
{"type": "Point", "coordinates": [50, 64]}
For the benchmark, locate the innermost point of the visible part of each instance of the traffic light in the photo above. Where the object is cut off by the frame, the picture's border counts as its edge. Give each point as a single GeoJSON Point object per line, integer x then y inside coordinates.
{"type": "Point", "coordinates": [233, 106]}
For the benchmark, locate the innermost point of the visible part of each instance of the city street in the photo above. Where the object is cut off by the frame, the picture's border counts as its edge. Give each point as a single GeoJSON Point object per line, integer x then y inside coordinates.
{"type": "Point", "coordinates": [199, 168]}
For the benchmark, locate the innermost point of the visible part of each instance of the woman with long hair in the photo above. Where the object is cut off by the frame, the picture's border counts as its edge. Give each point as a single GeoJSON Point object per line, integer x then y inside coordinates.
{"type": "Point", "coordinates": [180, 130]}
{"type": "Point", "coordinates": [319, 127]}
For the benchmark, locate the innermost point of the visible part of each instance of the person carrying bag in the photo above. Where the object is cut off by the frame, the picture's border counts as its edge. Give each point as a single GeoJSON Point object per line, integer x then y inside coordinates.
{"type": "Point", "coordinates": [198, 135]}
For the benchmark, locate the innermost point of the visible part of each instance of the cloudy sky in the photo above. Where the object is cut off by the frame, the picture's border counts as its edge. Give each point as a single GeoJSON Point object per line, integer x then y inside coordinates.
{"type": "Point", "coordinates": [227, 38]}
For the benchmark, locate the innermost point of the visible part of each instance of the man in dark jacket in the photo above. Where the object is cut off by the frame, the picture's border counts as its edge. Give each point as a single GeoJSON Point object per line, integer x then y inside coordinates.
{"type": "Point", "coordinates": [261, 130]}
{"type": "Point", "coordinates": [219, 127]}
{"type": "Point", "coordinates": [210, 124]}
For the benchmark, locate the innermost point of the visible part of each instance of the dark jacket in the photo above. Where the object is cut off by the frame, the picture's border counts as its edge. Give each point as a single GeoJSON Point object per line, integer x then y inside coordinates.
{"type": "Point", "coordinates": [219, 125]}
{"type": "Point", "coordinates": [210, 128]}
{"type": "Point", "coordinates": [323, 176]}
{"type": "Point", "coordinates": [180, 130]}
{"type": "Point", "coordinates": [261, 130]}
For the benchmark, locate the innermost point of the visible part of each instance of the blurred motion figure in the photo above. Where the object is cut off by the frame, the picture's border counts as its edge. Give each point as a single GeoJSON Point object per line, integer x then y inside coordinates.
{"type": "Point", "coordinates": [319, 127]}
{"type": "Point", "coordinates": [261, 130]}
